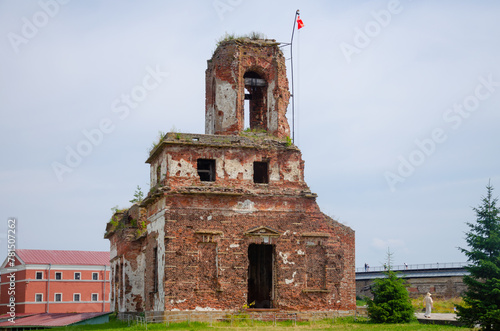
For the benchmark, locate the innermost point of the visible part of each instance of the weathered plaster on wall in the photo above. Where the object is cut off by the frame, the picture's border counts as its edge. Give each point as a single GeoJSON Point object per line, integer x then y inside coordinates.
{"type": "Point", "coordinates": [292, 173]}
{"type": "Point", "coordinates": [181, 168]}
{"type": "Point", "coordinates": [274, 176]}
{"type": "Point", "coordinates": [272, 118]}
{"type": "Point", "coordinates": [134, 282]}
{"type": "Point", "coordinates": [246, 206]}
{"type": "Point", "coordinates": [226, 102]}
{"type": "Point", "coordinates": [157, 224]}
{"type": "Point", "coordinates": [210, 120]}
{"type": "Point", "coordinates": [112, 251]}
{"type": "Point", "coordinates": [289, 281]}
{"type": "Point", "coordinates": [284, 257]}
{"type": "Point", "coordinates": [234, 167]}
{"type": "Point", "coordinates": [219, 167]}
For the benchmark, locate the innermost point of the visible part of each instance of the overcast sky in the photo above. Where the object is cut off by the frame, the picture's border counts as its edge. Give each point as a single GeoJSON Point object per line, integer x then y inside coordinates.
{"type": "Point", "coordinates": [397, 111]}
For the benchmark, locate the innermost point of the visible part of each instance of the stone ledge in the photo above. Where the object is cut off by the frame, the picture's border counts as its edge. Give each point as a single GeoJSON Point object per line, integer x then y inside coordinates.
{"type": "Point", "coordinates": [315, 234]}
{"type": "Point", "coordinates": [206, 231]}
{"type": "Point", "coordinates": [312, 290]}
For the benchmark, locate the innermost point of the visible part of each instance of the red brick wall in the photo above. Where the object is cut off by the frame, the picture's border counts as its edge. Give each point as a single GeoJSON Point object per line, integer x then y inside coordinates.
{"type": "Point", "coordinates": [186, 269]}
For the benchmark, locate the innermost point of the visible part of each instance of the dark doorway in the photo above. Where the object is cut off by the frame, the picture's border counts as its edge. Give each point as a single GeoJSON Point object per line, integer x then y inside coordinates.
{"type": "Point", "coordinates": [260, 275]}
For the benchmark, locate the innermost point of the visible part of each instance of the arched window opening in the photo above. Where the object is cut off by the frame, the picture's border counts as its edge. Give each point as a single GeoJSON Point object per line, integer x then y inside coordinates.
{"type": "Point", "coordinates": [256, 87]}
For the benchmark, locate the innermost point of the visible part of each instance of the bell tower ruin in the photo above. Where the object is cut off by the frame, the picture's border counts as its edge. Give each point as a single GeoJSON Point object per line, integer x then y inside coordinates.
{"type": "Point", "coordinates": [253, 70]}
{"type": "Point", "coordinates": [229, 220]}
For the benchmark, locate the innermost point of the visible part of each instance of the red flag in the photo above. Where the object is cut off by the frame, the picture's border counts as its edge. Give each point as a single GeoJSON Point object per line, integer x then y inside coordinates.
{"type": "Point", "coordinates": [300, 24]}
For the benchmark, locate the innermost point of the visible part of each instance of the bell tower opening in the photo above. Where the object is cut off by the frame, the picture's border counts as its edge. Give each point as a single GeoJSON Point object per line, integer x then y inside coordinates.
{"type": "Point", "coordinates": [256, 86]}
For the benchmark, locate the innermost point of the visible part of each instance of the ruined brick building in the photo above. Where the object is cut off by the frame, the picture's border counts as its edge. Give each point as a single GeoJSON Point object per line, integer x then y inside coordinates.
{"type": "Point", "coordinates": [230, 220]}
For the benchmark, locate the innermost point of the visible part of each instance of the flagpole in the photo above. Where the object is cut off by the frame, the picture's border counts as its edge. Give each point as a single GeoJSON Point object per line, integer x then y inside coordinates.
{"type": "Point", "coordinates": [291, 62]}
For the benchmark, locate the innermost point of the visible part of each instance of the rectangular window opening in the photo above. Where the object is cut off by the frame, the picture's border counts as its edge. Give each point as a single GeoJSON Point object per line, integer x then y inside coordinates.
{"type": "Point", "coordinates": [38, 297]}
{"type": "Point", "coordinates": [260, 172]}
{"type": "Point", "coordinates": [58, 275]}
{"type": "Point", "coordinates": [95, 276]}
{"type": "Point", "coordinates": [95, 297]}
{"type": "Point", "coordinates": [78, 276]}
{"type": "Point", "coordinates": [39, 275]}
{"type": "Point", "coordinates": [76, 297]}
{"type": "Point", "coordinates": [206, 170]}
{"type": "Point", "coordinates": [58, 297]}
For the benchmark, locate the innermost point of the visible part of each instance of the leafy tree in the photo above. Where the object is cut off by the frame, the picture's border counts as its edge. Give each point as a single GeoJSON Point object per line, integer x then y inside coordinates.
{"type": "Point", "coordinates": [391, 302]}
{"type": "Point", "coordinates": [138, 195]}
{"type": "Point", "coordinates": [482, 297]}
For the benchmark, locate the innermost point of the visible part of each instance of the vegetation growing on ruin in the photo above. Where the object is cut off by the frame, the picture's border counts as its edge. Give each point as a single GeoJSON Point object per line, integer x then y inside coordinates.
{"type": "Point", "coordinates": [138, 195]}
{"type": "Point", "coordinates": [255, 130]}
{"type": "Point", "coordinates": [116, 209]}
{"type": "Point", "coordinates": [117, 223]}
{"type": "Point", "coordinates": [258, 134]}
{"type": "Point", "coordinates": [157, 142]}
{"type": "Point", "coordinates": [254, 35]}
{"type": "Point", "coordinates": [232, 36]}
{"type": "Point", "coordinates": [114, 221]}
{"type": "Point", "coordinates": [141, 229]}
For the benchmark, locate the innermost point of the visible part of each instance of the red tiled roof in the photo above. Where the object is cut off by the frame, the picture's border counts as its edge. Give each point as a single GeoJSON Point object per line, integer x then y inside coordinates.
{"type": "Point", "coordinates": [40, 256]}
{"type": "Point", "coordinates": [49, 319]}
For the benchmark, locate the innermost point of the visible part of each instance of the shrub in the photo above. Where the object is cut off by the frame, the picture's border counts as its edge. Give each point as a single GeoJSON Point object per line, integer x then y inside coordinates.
{"type": "Point", "coordinates": [391, 302]}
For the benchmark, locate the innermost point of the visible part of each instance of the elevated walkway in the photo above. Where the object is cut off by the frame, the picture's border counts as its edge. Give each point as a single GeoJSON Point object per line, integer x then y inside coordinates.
{"type": "Point", "coordinates": [415, 271]}
{"type": "Point", "coordinates": [443, 280]}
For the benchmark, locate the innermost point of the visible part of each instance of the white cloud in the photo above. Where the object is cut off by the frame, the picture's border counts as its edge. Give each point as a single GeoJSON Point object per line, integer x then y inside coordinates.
{"type": "Point", "coordinates": [387, 243]}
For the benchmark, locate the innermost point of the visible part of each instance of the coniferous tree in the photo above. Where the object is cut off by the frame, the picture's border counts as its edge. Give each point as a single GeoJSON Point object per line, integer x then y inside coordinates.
{"type": "Point", "coordinates": [138, 195]}
{"type": "Point", "coordinates": [391, 302]}
{"type": "Point", "coordinates": [482, 297]}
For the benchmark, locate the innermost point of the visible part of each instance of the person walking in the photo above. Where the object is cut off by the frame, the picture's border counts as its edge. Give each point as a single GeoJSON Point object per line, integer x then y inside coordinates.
{"type": "Point", "coordinates": [428, 305]}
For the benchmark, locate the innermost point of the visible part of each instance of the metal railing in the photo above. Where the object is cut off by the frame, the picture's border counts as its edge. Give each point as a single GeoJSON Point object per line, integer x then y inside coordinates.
{"type": "Point", "coordinates": [273, 317]}
{"type": "Point", "coordinates": [248, 318]}
{"type": "Point", "coordinates": [403, 267]}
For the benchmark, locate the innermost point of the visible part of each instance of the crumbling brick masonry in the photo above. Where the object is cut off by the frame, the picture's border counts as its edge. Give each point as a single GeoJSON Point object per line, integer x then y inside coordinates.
{"type": "Point", "coordinates": [230, 220]}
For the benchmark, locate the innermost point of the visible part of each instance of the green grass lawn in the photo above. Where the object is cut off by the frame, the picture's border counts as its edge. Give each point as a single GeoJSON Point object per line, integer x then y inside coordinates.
{"type": "Point", "coordinates": [346, 323]}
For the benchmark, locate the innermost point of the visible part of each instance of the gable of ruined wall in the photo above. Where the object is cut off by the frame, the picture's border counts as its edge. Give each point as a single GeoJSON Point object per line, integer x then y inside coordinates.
{"type": "Point", "coordinates": [127, 259]}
